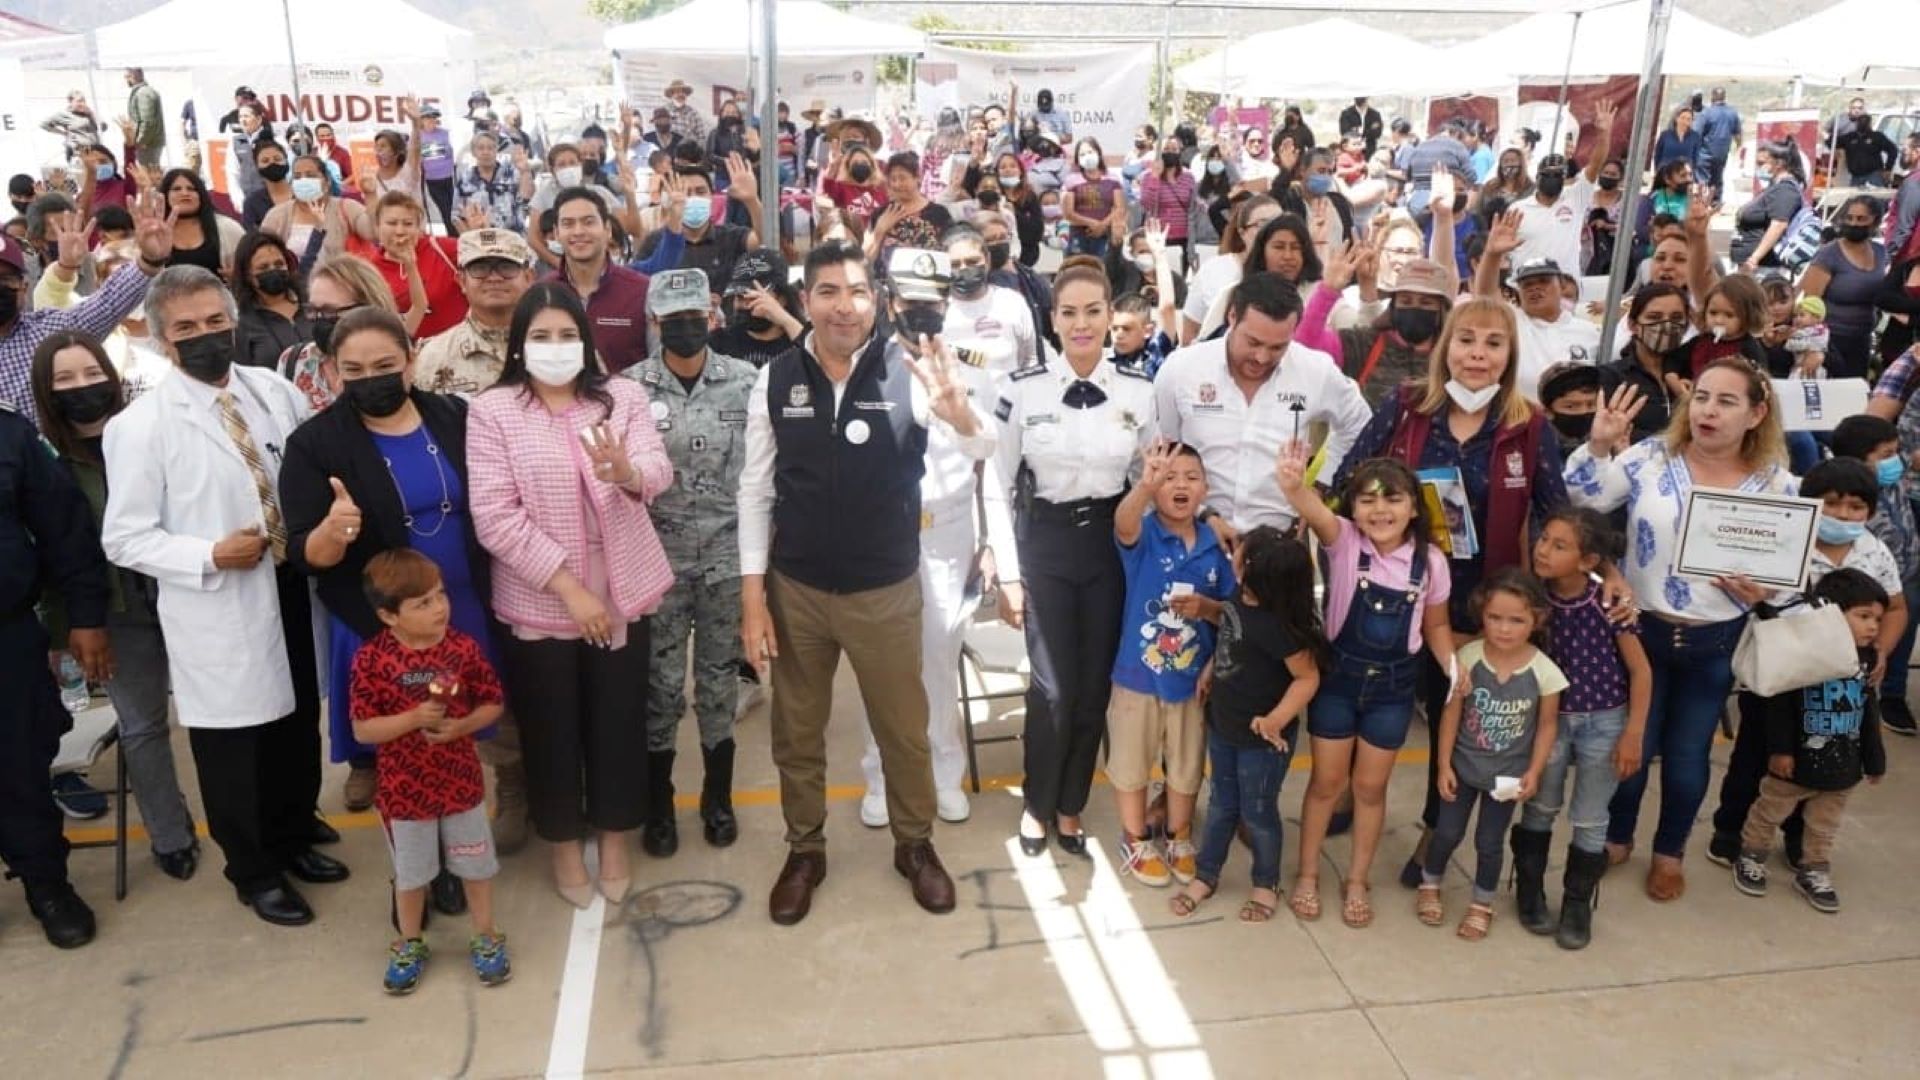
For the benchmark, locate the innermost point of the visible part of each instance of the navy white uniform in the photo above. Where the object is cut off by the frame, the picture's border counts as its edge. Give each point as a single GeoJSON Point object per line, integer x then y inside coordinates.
{"type": "Point", "coordinates": [1069, 445]}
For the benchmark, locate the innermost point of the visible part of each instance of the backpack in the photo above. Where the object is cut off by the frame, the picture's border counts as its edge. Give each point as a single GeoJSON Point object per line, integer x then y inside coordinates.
{"type": "Point", "coordinates": [1802, 240]}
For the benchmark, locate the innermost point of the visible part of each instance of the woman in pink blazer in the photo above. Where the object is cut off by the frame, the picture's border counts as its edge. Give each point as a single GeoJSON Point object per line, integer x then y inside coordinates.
{"type": "Point", "coordinates": [563, 462]}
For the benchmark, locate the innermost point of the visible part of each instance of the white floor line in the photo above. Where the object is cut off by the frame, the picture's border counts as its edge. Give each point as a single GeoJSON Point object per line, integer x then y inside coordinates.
{"type": "Point", "coordinates": [567, 1055]}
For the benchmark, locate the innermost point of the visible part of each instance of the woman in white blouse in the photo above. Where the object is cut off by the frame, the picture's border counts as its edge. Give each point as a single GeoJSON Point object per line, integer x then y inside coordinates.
{"type": "Point", "coordinates": [1728, 436]}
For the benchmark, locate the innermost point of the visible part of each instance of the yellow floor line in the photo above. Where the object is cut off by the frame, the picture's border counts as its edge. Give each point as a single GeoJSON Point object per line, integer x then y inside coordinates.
{"type": "Point", "coordinates": [98, 834]}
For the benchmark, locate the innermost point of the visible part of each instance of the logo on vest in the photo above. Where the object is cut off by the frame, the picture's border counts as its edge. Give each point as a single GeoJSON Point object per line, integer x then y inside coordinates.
{"type": "Point", "coordinates": [1516, 470]}
{"type": "Point", "coordinates": [800, 394]}
{"type": "Point", "coordinates": [1208, 393]}
{"type": "Point", "coordinates": [858, 432]}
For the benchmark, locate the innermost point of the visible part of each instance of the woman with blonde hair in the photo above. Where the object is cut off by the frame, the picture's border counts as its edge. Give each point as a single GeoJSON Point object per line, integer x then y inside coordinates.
{"type": "Point", "coordinates": [339, 284]}
{"type": "Point", "coordinates": [1727, 436]}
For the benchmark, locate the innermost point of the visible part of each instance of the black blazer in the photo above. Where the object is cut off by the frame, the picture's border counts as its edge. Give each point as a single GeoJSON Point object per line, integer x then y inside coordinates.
{"type": "Point", "coordinates": [336, 444]}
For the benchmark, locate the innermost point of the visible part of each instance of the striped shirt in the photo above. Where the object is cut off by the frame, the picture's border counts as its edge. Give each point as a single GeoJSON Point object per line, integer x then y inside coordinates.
{"type": "Point", "coordinates": [98, 315]}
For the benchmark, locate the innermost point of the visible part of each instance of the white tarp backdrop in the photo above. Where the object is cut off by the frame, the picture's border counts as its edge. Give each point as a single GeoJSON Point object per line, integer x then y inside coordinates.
{"type": "Point", "coordinates": [1853, 43]}
{"type": "Point", "coordinates": [1104, 91]}
{"type": "Point", "coordinates": [1319, 64]}
{"type": "Point", "coordinates": [17, 151]}
{"type": "Point", "coordinates": [844, 82]}
{"type": "Point", "coordinates": [357, 99]}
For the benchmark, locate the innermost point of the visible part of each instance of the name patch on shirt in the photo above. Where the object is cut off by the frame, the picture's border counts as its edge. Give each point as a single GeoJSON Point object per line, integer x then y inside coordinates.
{"type": "Point", "coordinates": [612, 320]}
{"type": "Point", "coordinates": [1037, 419]}
{"type": "Point", "coordinates": [873, 406]}
{"type": "Point", "coordinates": [733, 416]}
{"type": "Point", "coordinates": [803, 413]}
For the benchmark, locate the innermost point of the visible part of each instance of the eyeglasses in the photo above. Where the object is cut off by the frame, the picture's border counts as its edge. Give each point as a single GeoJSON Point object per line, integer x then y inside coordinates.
{"type": "Point", "coordinates": [312, 312]}
{"type": "Point", "coordinates": [492, 268]}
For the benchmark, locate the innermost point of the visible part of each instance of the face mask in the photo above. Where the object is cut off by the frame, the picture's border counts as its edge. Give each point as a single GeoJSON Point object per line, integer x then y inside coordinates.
{"type": "Point", "coordinates": [1835, 531]}
{"type": "Point", "coordinates": [590, 166]}
{"type": "Point", "coordinates": [1144, 263]}
{"type": "Point", "coordinates": [1416, 326]}
{"type": "Point", "coordinates": [1169, 160]}
{"type": "Point", "coordinates": [684, 337]}
{"type": "Point", "coordinates": [556, 363]}
{"type": "Point", "coordinates": [699, 211]}
{"type": "Point", "coordinates": [567, 176]}
{"type": "Point", "coordinates": [103, 172]}
{"type": "Point", "coordinates": [1089, 160]}
{"type": "Point", "coordinates": [208, 357]}
{"type": "Point", "coordinates": [1609, 183]}
{"type": "Point", "coordinates": [274, 283]}
{"type": "Point", "coordinates": [1855, 233]}
{"type": "Point", "coordinates": [1051, 213]}
{"type": "Point", "coordinates": [1890, 470]}
{"type": "Point", "coordinates": [556, 247]}
{"type": "Point", "coordinates": [860, 171]}
{"type": "Point", "coordinates": [1662, 337]}
{"type": "Point", "coordinates": [1552, 184]}
{"type": "Point", "coordinates": [308, 188]}
{"type": "Point", "coordinates": [998, 254]}
{"type": "Point", "coordinates": [752, 324]}
{"type": "Point", "coordinates": [1009, 180]}
{"type": "Point", "coordinates": [1574, 427]}
{"type": "Point", "coordinates": [921, 320]}
{"type": "Point", "coordinates": [9, 306]}
{"type": "Point", "coordinates": [273, 173]}
{"type": "Point", "coordinates": [1318, 184]}
{"type": "Point", "coordinates": [1471, 401]}
{"type": "Point", "coordinates": [376, 395]}
{"type": "Point", "coordinates": [969, 280]}
{"type": "Point", "coordinates": [1216, 167]}
{"type": "Point", "coordinates": [1142, 144]}
{"type": "Point", "coordinates": [1509, 171]}
{"type": "Point", "coordinates": [323, 334]}
{"type": "Point", "coordinates": [88, 404]}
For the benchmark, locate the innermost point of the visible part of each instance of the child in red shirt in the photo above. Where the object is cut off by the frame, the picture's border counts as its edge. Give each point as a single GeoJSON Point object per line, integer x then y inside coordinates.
{"type": "Point", "coordinates": [420, 689]}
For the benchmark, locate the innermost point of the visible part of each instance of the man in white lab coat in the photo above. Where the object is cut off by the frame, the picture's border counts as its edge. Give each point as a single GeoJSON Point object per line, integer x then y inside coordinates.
{"type": "Point", "coordinates": [193, 502]}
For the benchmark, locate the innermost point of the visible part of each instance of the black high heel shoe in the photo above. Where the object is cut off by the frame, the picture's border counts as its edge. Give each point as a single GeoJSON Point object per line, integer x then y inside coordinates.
{"type": "Point", "coordinates": [1031, 846]}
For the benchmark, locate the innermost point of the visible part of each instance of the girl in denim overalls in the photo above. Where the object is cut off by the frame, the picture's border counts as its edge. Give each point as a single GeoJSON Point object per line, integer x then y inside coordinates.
{"type": "Point", "coordinates": [1386, 588]}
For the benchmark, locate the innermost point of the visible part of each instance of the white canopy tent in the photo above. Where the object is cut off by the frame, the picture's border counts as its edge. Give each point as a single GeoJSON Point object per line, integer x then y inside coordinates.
{"type": "Point", "coordinates": [1612, 40]}
{"type": "Point", "coordinates": [1315, 61]}
{"type": "Point", "coordinates": [804, 29]}
{"type": "Point", "coordinates": [36, 46]}
{"type": "Point", "coordinates": [1861, 43]}
{"type": "Point", "coordinates": [221, 33]}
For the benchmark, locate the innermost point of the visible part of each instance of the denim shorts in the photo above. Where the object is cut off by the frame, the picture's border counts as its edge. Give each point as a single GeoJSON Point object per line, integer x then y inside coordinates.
{"type": "Point", "coordinates": [1343, 711]}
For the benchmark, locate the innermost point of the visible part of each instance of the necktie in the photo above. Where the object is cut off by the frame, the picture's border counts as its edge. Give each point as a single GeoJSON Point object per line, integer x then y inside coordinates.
{"type": "Point", "coordinates": [237, 430]}
{"type": "Point", "coordinates": [1083, 395]}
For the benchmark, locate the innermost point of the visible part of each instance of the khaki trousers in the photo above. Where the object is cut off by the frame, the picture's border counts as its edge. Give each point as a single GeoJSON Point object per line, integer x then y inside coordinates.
{"type": "Point", "coordinates": [1776, 800]}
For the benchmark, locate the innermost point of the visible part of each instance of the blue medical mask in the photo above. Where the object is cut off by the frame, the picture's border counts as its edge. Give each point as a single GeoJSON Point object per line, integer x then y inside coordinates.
{"type": "Point", "coordinates": [1890, 470]}
{"type": "Point", "coordinates": [1319, 184]}
{"type": "Point", "coordinates": [1835, 531]}
{"type": "Point", "coordinates": [1216, 167]}
{"type": "Point", "coordinates": [103, 172]}
{"type": "Point", "coordinates": [698, 212]}
{"type": "Point", "coordinates": [308, 188]}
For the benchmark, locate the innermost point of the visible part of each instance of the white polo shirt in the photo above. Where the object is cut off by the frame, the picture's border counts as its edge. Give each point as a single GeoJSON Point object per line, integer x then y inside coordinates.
{"type": "Point", "coordinates": [1239, 439]}
{"type": "Point", "coordinates": [1553, 232]}
{"type": "Point", "coordinates": [1544, 344]}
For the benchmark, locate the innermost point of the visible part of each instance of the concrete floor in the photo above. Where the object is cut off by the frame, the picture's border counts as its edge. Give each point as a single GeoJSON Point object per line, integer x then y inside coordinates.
{"type": "Point", "coordinates": [1050, 967]}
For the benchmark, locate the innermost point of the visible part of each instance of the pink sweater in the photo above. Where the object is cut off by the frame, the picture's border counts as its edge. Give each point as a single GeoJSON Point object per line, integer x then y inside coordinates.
{"type": "Point", "coordinates": [526, 469]}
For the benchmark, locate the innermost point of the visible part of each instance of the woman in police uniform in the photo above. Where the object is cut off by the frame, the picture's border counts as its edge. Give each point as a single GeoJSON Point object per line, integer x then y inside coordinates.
{"type": "Point", "coordinates": [1070, 433]}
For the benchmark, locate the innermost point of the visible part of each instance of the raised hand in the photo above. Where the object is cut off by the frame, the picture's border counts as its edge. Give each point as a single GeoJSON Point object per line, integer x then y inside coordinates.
{"type": "Point", "coordinates": [741, 180]}
{"type": "Point", "coordinates": [1343, 260]}
{"type": "Point", "coordinates": [473, 216]}
{"type": "Point", "coordinates": [1291, 468]}
{"type": "Point", "coordinates": [343, 517]}
{"type": "Point", "coordinates": [1287, 155]}
{"type": "Point", "coordinates": [1700, 208]}
{"type": "Point", "coordinates": [153, 227]}
{"type": "Point", "coordinates": [1504, 238]}
{"type": "Point", "coordinates": [935, 367]}
{"type": "Point", "coordinates": [1613, 419]}
{"type": "Point", "coordinates": [608, 454]}
{"type": "Point", "coordinates": [1604, 112]}
{"type": "Point", "coordinates": [1156, 237]}
{"type": "Point", "coordinates": [1155, 461]}
{"type": "Point", "coordinates": [71, 242]}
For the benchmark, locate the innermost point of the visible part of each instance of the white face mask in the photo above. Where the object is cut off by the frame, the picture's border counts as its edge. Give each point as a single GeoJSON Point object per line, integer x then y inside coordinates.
{"type": "Point", "coordinates": [556, 363]}
{"type": "Point", "coordinates": [1470, 401]}
{"type": "Point", "coordinates": [1089, 160]}
{"type": "Point", "coordinates": [567, 176]}
{"type": "Point", "coordinates": [1144, 263]}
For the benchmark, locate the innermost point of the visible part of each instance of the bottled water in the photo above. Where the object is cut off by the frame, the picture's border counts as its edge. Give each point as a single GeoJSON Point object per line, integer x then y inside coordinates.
{"type": "Point", "coordinates": [73, 685]}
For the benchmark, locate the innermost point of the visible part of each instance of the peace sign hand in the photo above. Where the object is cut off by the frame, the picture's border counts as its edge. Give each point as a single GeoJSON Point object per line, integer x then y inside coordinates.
{"type": "Point", "coordinates": [1613, 420]}
{"type": "Point", "coordinates": [946, 398]}
{"type": "Point", "coordinates": [1155, 461]}
{"type": "Point", "coordinates": [608, 454]}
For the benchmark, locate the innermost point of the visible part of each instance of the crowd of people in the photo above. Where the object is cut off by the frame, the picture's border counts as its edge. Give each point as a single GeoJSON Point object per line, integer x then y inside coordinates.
{"type": "Point", "coordinates": [485, 452]}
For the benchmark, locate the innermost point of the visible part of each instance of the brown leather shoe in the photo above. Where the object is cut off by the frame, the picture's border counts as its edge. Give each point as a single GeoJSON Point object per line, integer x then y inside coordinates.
{"type": "Point", "coordinates": [932, 888]}
{"type": "Point", "coordinates": [792, 894]}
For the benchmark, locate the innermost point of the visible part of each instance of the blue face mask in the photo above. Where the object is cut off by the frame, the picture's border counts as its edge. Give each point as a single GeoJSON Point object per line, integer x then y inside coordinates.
{"type": "Point", "coordinates": [1890, 470]}
{"type": "Point", "coordinates": [1216, 167]}
{"type": "Point", "coordinates": [103, 172]}
{"type": "Point", "coordinates": [1319, 184]}
{"type": "Point", "coordinates": [1835, 531]}
{"type": "Point", "coordinates": [698, 212]}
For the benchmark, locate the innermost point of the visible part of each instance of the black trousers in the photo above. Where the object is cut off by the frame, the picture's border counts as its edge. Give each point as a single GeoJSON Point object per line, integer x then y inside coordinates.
{"type": "Point", "coordinates": [441, 193]}
{"type": "Point", "coordinates": [583, 731]}
{"type": "Point", "coordinates": [261, 785]}
{"type": "Point", "coordinates": [1746, 766]}
{"type": "Point", "coordinates": [1434, 687]}
{"type": "Point", "coordinates": [1075, 590]}
{"type": "Point", "coordinates": [31, 723]}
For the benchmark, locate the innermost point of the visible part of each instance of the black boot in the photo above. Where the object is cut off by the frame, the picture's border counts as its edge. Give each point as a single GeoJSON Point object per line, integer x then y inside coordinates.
{"type": "Point", "coordinates": [716, 795]}
{"type": "Point", "coordinates": [1581, 893]}
{"type": "Point", "coordinates": [66, 919]}
{"type": "Point", "coordinates": [660, 836]}
{"type": "Point", "coordinates": [1529, 878]}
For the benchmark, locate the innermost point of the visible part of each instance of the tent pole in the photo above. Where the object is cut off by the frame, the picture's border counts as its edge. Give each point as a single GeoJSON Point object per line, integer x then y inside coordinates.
{"type": "Point", "coordinates": [1660, 13]}
{"type": "Point", "coordinates": [293, 62]}
{"type": "Point", "coordinates": [1166, 72]}
{"type": "Point", "coordinates": [769, 127]}
{"type": "Point", "coordinates": [1566, 76]}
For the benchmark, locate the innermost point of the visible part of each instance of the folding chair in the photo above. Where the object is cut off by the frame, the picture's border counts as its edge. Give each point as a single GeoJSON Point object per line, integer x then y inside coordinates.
{"type": "Point", "coordinates": [998, 650]}
{"type": "Point", "coordinates": [120, 792]}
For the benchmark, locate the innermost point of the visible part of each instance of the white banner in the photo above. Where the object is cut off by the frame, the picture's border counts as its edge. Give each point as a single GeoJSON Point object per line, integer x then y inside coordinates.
{"type": "Point", "coordinates": [1104, 91]}
{"type": "Point", "coordinates": [844, 82]}
{"type": "Point", "coordinates": [18, 150]}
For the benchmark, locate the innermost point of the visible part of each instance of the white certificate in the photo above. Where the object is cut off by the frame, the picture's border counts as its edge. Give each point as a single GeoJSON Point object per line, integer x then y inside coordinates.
{"type": "Point", "coordinates": [1769, 538]}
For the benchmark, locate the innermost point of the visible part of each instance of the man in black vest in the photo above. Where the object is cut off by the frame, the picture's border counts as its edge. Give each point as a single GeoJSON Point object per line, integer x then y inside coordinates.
{"type": "Point", "coordinates": [830, 560]}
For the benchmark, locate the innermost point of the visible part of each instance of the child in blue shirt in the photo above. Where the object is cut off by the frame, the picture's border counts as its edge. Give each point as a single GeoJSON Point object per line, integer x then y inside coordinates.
{"type": "Point", "coordinates": [1177, 576]}
{"type": "Point", "coordinates": [1137, 342]}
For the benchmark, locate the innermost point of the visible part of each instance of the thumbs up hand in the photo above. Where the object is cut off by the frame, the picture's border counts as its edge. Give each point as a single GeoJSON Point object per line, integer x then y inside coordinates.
{"type": "Point", "coordinates": [343, 517]}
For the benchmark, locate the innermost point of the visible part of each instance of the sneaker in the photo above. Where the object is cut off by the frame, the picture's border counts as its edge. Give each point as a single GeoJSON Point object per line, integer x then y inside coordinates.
{"type": "Point", "coordinates": [490, 961]}
{"type": "Point", "coordinates": [953, 806]}
{"type": "Point", "coordinates": [1814, 884]}
{"type": "Point", "coordinates": [1750, 873]}
{"type": "Point", "coordinates": [1896, 717]}
{"type": "Point", "coordinates": [1180, 857]}
{"type": "Point", "coordinates": [78, 799]}
{"type": "Point", "coordinates": [1723, 849]}
{"type": "Point", "coordinates": [405, 961]}
{"type": "Point", "coordinates": [1143, 863]}
{"type": "Point", "coordinates": [873, 810]}
{"type": "Point", "coordinates": [359, 789]}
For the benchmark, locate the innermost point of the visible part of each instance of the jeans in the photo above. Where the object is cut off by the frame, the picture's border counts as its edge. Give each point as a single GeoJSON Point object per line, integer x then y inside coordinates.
{"type": "Point", "coordinates": [1489, 839]}
{"type": "Point", "coordinates": [1584, 741]}
{"type": "Point", "coordinates": [1095, 246]}
{"type": "Point", "coordinates": [1692, 676]}
{"type": "Point", "coordinates": [1894, 686]}
{"type": "Point", "coordinates": [1246, 788]}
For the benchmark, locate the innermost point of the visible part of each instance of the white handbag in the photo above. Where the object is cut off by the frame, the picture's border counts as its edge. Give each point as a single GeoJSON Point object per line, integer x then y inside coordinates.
{"type": "Point", "coordinates": [1784, 649]}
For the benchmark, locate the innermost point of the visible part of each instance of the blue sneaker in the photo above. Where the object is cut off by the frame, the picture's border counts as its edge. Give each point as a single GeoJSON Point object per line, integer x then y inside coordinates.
{"type": "Point", "coordinates": [490, 960]}
{"type": "Point", "coordinates": [78, 799]}
{"type": "Point", "coordinates": [405, 961]}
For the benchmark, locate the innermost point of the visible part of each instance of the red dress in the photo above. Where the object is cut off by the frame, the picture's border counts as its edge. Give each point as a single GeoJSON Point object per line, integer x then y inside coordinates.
{"type": "Point", "coordinates": [435, 255]}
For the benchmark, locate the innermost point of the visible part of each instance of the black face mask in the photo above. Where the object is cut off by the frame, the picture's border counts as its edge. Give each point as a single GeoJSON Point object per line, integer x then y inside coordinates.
{"type": "Point", "coordinates": [273, 173]}
{"type": "Point", "coordinates": [663, 126]}
{"type": "Point", "coordinates": [9, 306]}
{"type": "Point", "coordinates": [323, 333]}
{"type": "Point", "coordinates": [684, 338]}
{"type": "Point", "coordinates": [208, 357]}
{"type": "Point", "coordinates": [729, 121]}
{"type": "Point", "coordinates": [860, 171]}
{"type": "Point", "coordinates": [969, 281]}
{"type": "Point", "coordinates": [999, 254]}
{"type": "Point", "coordinates": [1551, 185]}
{"type": "Point", "coordinates": [752, 324]}
{"type": "Point", "coordinates": [1609, 183]}
{"type": "Point", "coordinates": [274, 282]}
{"type": "Point", "coordinates": [1416, 326]}
{"type": "Point", "coordinates": [921, 320]}
{"type": "Point", "coordinates": [376, 395]}
{"type": "Point", "coordinates": [1574, 427]}
{"type": "Point", "coordinates": [86, 404]}
{"type": "Point", "coordinates": [20, 206]}
{"type": "Point", "coordinates": [1169, 160]}
{"type": "Point", "coordinates": [1855, 233]}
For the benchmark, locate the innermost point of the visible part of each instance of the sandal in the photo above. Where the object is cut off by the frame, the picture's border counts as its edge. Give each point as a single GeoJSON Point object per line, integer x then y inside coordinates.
{"type": "Point", "coordinates": [1184, 904]}
{"type": "Point", "coordinates": [1357, 912]}
{"type": "Point", "coordinates": [1253, 911]}
{"type": "Point", "coordinates": [1306, 898]}
{"type": "Point", "coordinates": [1477, 921]}
{"type": "Point", "coordinates": [1427, 906]}
{"type": "Point", "coordinates": [1665, 879]}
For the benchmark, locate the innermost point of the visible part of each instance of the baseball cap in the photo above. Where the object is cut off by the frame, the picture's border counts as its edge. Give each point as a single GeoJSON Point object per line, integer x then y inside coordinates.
{"type": "Point", "coordinates": [919, 274]}
{"type": "Point", "coordinates": [677, 291]}
{"type": "Point", "coordinates": [1534, 268]}
{"type": "Point", "coordinates": [429, 110]}
{"type": "Point", "coordinates": [1553, 161]}
{"type": "Point", "coordinates": [1426, 277]}
{"type": "Point", "coordinates": [478, 244]}
{"type": "Point", "coordinates": [762, 267]}
{"type": "Point", "coordinates": [11, 253]}
{"type": "Point", "coordinates": [1566, 377]}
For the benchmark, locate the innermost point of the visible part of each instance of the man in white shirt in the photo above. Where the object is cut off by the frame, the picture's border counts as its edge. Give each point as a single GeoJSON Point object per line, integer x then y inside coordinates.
{"type": "Point", "coordinates": [988, 319]}
{"type": "Point", "coordinates": [1552, 218]}
{"type": "Point", "coordinates": [1550, 330]}
{"type": "Point", "coordinates": [1239, 398]}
